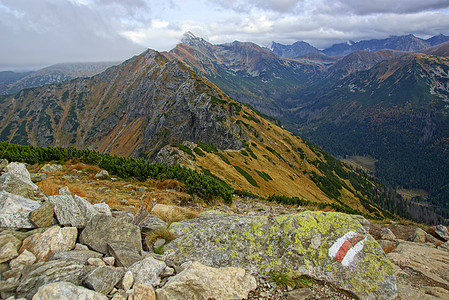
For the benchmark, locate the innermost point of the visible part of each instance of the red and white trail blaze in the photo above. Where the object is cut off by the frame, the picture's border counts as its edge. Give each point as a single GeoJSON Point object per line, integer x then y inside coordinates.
{"type": "Point", "coordinates": [346, 247]}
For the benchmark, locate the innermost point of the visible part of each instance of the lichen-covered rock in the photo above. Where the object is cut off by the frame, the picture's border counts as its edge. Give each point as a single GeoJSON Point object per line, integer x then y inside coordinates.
{"type": "Point", "coordinates": [328, 246]}
{"type": "Point", "coordinates": [55, 239]}
{"type": "Point", "coordinates": [43, 216]}
{"type": "Point", "coordinates": [38, 177]}
{"type": "Point", "coordinates": [48, 168]}
{"type": "Point", "coordinates": [14, 211]}
{"type": "Point", "coordinates": [201, 282]}
{"type": "Point", "coordinates": [104, 278]}
{"type": "Point", "coordinates": [66, 291]}
{"type": "Point", "coordinates": [102, 229]}
{"type": "Point", "coordinates": [103, 208]}
{"type": "Point", "coordinates": [419, 236]}
{"type": "Point", "coordinates": [153, 223]}
{"type": "Point", "coordinates": [125, 255]}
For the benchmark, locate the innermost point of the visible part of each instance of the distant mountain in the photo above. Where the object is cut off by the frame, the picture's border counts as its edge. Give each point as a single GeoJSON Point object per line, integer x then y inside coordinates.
{"type": "Point", "coordinates": [438, 39]}
{"type": "Point", "coordinates": [408, 43]}
{"type": "Point", "coordinates": [247, 72]}
{"type": "Point", "coordinates": [294, 50]}
{"type": "Point", "coordinates": [11, 82]}
{"type": "Point", "coordinates": [156, 108]}
{"type": "Point", "coordinates": [318, 57]}
{"type": "Point", "coordinates": [439, 50]}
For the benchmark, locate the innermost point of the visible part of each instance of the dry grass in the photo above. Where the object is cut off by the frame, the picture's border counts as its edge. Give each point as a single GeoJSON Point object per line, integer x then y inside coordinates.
{"type": "Point", "coordinates": [170, 184]}
{"type": "Point", "coordinates": [171, 213]}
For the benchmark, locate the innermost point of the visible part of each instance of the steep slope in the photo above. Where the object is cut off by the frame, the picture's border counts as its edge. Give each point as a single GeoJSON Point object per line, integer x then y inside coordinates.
{"type": "Point", "coordinates": [149, 105]}
{"type": "Point", "coordinates": [248, 72]}
{"type": "Point", "coordinates": [294, 50]}
{"type": "Point", "coordinates": [398, 113]}
{"type": "Point", "coordinates": [439, 50]}
{"type": "Point", "coordinates": [400, 43]}
{"type": "Point", "coordinates": [52, 74]}
{"type": "Point", "coordinates": [438, 39]}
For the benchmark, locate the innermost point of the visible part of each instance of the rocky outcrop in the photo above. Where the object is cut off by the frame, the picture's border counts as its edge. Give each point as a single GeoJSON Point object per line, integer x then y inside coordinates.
{"type": "Point", "coordinates": [66, 291]}
{"type": "Point", "coordinates": [14, 211]}
{"type": "Point", "coordinates": [327, 246]}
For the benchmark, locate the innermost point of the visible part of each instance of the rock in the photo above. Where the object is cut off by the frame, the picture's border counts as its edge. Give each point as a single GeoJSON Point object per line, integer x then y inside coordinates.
{"type": "Point", "coordinates": [55, 239]}
{"type": "Point", "coordinates": [123, 216]}
{"type": "Point", "coordinates": [153, 223]}
{"type": "Point", "coordinates": [87, 209]}
{"type": "Point", "coordinates": [127, 281]}
{"type": "Point", "coordinates": [7, 252]}
{"type": "Point", "coordinates": [103, 279]}
{"type": "Point", "coordinates": [14, 211]}
{"type": "Point", "coordinates": [159, 243]}
{"type": "Point", "coordinates": [442, 232]}
{"type": "Point", "coordinates": [444, 246]}
{"type": "Point", "coordinates": [299, 294]}
{"type": "Point", "coordinates": [6, 238]}
{"type": "Point", "coordinates": [419, 236]}
{"type": "Point", "coordinates": [24, 259]}
{"type": "Point", "coordinates": [7, 286]}
{"type": "Point", "coordinates": [102, 229]}
{"type": "Point", "coordinates": [431, 239]}
{"type": "Point", "coordinates": [43, 216]}
{"type": "Point", "coordinates": [420, 269]}
{"type": "Point", "coordinates": [388, 245]}
{"type": "Point", "coordinates": [21, 235]}
{"type": "Point", "coordinates": [103, 208]}
{"type": "Point", "coordinates": [202, 282]}
{"type": "Point", "coordinates": [66, 291]}
{"type": "Point", "coordinates": [168, 271]}
{"type": "Point", "coordinates": [80, 256]}
{"type": "Point", "coordinates": [52, 271]}
{"type": "Point", "coordinates": [67, 211]}
{"type": "Point", "coordinates": [102, 173]}
{"type": "Point", "coordinates": [16, 186]}
{"type": "Point", "coordinates": [140, 216]}
{"type": "Point", "coordinates": [96, 261]}
{"type": "Point", "coordinates": [38, 177]}
{"type": "Point", "coordinates": [124, 254]}
{"type": "Point", "coordinates": [80, 247]}
{"type": "Point", "coordinates": [65, 191]}
{"type": "Point", "coordinates": [19, 171]}
{"type": "Point", "coordinates": [49, 168]}
{"type": "Point", "coordinates": [347, 257]}
{"type": "Point", "coordinates": [387, 234]}
{"type": "Point", "coordinates": [110, 260]}
{"type": "Point", "coordinates": [147, 271]}
{"type": "Point", "coordinates": [144, 292]}
{"type": "Point", "coordinates": [3, 164]}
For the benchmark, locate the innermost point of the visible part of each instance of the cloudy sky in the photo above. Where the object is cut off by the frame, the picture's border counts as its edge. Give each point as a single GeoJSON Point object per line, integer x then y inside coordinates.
{"type": "Point", "coordinates": [35, 33]}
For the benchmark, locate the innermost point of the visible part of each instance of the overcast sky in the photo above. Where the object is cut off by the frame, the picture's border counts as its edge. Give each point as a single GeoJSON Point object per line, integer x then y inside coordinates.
{"type": "Point", "coordinates": [42, 32]}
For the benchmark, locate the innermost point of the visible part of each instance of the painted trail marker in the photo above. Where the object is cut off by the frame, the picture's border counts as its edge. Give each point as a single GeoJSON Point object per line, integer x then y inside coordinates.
{"type": "Point", "coordinates": [346, 247]}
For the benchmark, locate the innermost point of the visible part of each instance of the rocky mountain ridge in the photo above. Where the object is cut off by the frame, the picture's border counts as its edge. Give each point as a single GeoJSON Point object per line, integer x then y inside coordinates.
{"type": "Point", "coordinates": [63, 245]}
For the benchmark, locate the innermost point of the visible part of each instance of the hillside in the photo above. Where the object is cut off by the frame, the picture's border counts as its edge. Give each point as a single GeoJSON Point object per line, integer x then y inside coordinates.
{"type": "Point", "coordinates": [147, 106]}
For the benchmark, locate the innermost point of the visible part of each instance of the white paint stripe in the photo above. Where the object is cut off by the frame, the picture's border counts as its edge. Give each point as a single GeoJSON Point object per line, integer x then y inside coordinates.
{"type": "Point", "coordinates": [336, 246]}
{"type": "Point", "coordinates": [349, 257]}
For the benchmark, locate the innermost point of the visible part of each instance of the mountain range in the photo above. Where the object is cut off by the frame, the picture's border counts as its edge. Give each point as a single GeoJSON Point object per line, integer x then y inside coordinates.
{"type": "Point", "coordinates": [388, 104]}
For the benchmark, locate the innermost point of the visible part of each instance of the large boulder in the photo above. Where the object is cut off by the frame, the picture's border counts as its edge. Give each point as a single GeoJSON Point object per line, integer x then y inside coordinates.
{"type": "Point", "coordinates": [102, 229]}
{"type": "Point", "coordinates": [43, 216]}
{"type": "Point", "coordinates": [103, 279]}
{"type": "Point", "coordinates": [147, 271]}
{"type": "Point", "coordinates": [55, 239]}
{"type": "Point", "coordinates": [442, 232]}
{"type": "Point", "coordinates": [14, 211]}
{"type": "Point", "coordinates": [52, 271]}
{"type": "Point", "coordinates": [202, 282]}
{"type": "Point", "coordinates": [66, 291]}
{"type": "Point", "coordinates": [328, 246]}
{"type": "Point", "coordinates": [67, 211]}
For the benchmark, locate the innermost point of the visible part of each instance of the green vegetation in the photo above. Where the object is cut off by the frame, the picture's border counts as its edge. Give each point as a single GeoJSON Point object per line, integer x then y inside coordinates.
{"type": "Point", "coordinates": [275, 153]}
{"type": "Point", "coordinates": [283, 279]}
{"type": "Point", "coordinates": [207, 147]}
{"type": "Point", "coordinates": [216, 100]}
{"type": "Point", "coordinates": [206, 187]}
{"type": "Point", "coordinates": [247, 176]}
{"type": "Point", "coordinates": [264, 175]}
{"type": "Point", "coordinates": [183, 148]}
{"type": "Point", "coordinates": [224, 158]}
{"type": "Point", "coordinates": [199, 152]}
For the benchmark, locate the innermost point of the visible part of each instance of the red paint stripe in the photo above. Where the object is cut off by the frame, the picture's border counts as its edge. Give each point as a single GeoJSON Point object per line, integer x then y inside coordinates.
{"type": "Point", "coordinates": [344, 248]}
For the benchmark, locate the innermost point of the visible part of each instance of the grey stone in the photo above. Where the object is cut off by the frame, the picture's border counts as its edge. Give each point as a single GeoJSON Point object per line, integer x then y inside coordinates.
{"type": "Point", "coordinates": [102, 229]}
{"type": "Point", "coordinates": [262, 244]}
{"type": "Point", "coordinates": [7, 286]}
{"type": "Point", "coordinates": [103, 208]}
{"type": "Point", "coordinates": [124, 254]}
{"type": "Point", "coordinates": [202, 282]}
{"type": "Point", "coordinates": [21, 235]}
{"type": "Point", "coordinates": [147, 271]}
{"type": "Point", "coordinates": [103, 279]}
{"type": "Point", "coordinates": [153, 223]}
{"type": "Point", "coordinates": [14, 211]}
{"type": "Point", "coordinates": [87, 209]}
{"type": "Point", "coordinates": [24, 259]}
{"type": "Point", "coordinates": [141, 216]}
{"type": "Point", "coordinates": [387, 234]}
{"type": "Point", "coordinates": [49, 168]}
{"type": "Point", "coordinates": [299, 294]}
{"type": "Point", "coordinates": [419, 236]}
{"type": "Point", "coordinates": [110, 260]}
{"type": "Point", "coordinates": [9, 238]}
{"type": "Point", "coordinates": [102, 173]}
{"type": "Point", "coordinates": [127, 281]}
{"type": "Point", "coordinates": [38, 177]}
{"type": "Point", "coordinates": [442, 232]}
{"type": "Point", "coordinates": [65, 191]}
{"type": "Point", "coordinates": [66, 291]}
{"type": "Point", "coordinates": [444, 246]}
{"type": "Point", "coordinates": [7, 252]}
{"type": "Point", "coordinates": [52, 271]}
{"type": "Point", "coordinates": [124, 216]}
{"type": "Point", "coordinates": [80, 256]}
{"type": "Point", "coordinates": [43, 216]}
{"type": "Point", "coordinates": [159, 243]}
{"type": "Point", "coordinates": [79, 246]}
{"type": "Point", "coordinates": [19, 171]}
{"type": "Point", "coordinates": [98, 262]}
{"type": "Point", "coordinates": [67, 211]}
